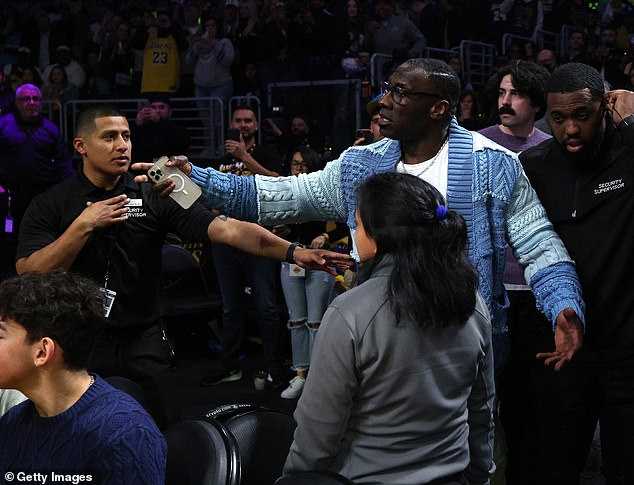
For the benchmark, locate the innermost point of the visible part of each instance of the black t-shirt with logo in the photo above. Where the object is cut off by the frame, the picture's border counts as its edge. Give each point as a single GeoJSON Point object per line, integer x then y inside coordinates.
{"type": "Point", "coordinates": [592, 209]}
{"type": "Point", "coordinates": [129, 251]}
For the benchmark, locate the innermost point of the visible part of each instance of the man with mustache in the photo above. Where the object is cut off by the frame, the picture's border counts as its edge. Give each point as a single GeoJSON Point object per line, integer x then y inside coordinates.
{"type": "Point", "coordinates": [584, 177]}
{"type": "Point", "coordinates": [520, 102]}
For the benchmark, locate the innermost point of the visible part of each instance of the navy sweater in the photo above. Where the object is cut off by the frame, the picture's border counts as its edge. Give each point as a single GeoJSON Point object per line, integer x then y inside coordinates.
{"type": "Point", "coordinates": [106, 434]}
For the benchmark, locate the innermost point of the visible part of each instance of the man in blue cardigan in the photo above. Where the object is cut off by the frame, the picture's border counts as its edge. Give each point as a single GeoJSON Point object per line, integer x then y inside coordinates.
{"type": "Point", "coordinates": [482, 181]}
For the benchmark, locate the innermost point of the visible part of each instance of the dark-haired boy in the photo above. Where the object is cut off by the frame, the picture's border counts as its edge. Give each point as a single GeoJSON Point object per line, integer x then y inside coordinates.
{"type": "Point", "coordinates": [73, 422]}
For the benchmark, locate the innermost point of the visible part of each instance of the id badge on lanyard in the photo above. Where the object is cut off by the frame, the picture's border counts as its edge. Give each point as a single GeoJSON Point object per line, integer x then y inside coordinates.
{"type": "Point", "coordinates": [109, 295]}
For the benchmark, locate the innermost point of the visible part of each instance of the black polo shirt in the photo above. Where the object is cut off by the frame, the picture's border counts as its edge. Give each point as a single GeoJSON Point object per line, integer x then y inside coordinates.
{"type": "Point", "coordinates": [129, 252]}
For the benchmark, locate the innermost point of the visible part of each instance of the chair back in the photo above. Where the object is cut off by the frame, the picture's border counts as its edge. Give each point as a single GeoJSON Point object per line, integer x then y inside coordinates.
{"type": "Point", "coordinates": [227, 411]}
{"type": "Point", "coordinates": [263, 438]}
{"type": "Point", "coordinates": [201, 453]}
{"type": "Point", "coordinates": [131, 388]}
{"type": "Point", "coordinates": [183, 286]}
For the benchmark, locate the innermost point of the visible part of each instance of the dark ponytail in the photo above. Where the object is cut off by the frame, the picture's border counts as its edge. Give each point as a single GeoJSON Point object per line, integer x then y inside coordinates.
{"type": "Point", "coordinates": [432, 282]}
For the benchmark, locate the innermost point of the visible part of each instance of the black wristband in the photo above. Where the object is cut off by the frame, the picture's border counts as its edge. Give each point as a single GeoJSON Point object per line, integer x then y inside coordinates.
{"type": "Point", "coordinates": [290, 251]}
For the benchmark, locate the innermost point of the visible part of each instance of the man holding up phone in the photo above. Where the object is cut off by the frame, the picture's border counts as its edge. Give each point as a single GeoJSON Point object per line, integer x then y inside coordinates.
{"type": "Point", "coordinates": [244, 156]}
{"type": "Point", "coordinates": [236, 269]}
{"type": "Point", "coordinates": [155, 134]}
{"type": "Point", "coordinates": [365, 137]}
{"type": "Point", "coordinates": [103, 225]}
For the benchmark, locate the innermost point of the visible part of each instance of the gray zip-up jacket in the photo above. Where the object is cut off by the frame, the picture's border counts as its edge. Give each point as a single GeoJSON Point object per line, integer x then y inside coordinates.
{"type": "Point", "coordinates": [386, 403]}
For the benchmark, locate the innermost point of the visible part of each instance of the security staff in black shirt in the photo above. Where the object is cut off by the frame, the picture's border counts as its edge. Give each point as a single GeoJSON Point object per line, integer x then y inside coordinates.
{"type": "Point", "coordinates": [100, 223]}
{"type": "Point", "coordinates": [584, 177]}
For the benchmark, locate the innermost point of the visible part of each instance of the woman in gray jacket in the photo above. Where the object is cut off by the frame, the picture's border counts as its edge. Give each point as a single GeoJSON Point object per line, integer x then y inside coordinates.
{"type": "Point", "coordinates": [401, 383]}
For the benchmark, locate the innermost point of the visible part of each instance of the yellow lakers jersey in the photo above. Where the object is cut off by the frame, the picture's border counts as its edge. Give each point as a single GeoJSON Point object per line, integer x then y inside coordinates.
{"type": "Point", "coordinates": [161, 65]}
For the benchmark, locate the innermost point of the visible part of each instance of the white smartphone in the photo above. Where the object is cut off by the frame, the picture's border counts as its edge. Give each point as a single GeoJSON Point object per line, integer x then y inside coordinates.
{"type": "Point", "coordinates": [186, 191]}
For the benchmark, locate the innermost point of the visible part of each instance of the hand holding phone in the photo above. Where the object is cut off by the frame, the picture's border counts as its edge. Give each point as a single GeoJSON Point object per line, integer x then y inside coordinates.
{"type": "Point", "coordinates": [367, 136]}
{"type": "Point", "coordinates": [185, 193]}
{"type": "Point", "coordinates": [233, 134]}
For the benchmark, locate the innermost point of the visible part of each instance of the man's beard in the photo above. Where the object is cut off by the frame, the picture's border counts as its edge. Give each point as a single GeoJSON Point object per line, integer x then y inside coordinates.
{"type": "Point", "coordinates": [248, 138]}
{"type": "Point", "coordinates": [588, 156]}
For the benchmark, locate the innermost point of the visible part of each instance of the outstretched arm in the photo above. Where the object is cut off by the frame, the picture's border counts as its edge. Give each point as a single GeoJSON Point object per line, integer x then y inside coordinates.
{"type": "Point", "coordinates": [316, 196]}
{"type": "Point", "coordinates": [257, 240]}
{"type": "Point", "coordinates": [549, 269]}
{"type": "Point", "coordinates": [229, 194]}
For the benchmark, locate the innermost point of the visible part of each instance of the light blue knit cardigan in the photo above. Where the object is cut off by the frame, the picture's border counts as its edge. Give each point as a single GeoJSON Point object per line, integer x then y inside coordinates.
{"type": "Point", "coordinates": [486, 185]}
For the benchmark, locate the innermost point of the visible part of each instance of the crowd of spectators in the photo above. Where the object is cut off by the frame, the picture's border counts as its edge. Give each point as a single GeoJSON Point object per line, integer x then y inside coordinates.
{"type": "Point", "coordinates": [85, 49]}
{"type": "Point", "coordinates": [64, 50]}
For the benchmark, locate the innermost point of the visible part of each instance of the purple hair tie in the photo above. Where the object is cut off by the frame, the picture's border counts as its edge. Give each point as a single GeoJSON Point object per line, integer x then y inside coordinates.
{"type": "Point", "coordinates": [441, 212]}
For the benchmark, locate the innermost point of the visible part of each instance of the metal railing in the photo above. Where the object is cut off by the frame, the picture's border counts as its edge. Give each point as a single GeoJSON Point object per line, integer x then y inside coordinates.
{"type": "Point", "coordinates": [549, 40]}
{"type": "Point", "coordinates": [271, 87]}
{"type": "Point", "coordinates": [129, 107]}
{"type": "Point", "coordinates": [564, 33]}
{"type": "Point", "coordinates": [509, 39]}
{"type": "Point", "coordinates": [477, 61]}
{"type": "Point", "coordinates": [204, 118]}
{"type": "Point", "coordinates": [442, 54]}
{"type": "Point", "coordinates": [377, 63]}
{"type": "Point", "coordinates": [54, 111]}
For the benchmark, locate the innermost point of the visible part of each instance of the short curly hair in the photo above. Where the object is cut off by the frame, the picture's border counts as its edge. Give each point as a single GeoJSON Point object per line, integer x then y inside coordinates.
{"type": "Point", "coordinates": [65, 307]}
{"type": "Point", "coordinates": [575, 76]}
{"type": "Point", "coordinates": [529, 79]}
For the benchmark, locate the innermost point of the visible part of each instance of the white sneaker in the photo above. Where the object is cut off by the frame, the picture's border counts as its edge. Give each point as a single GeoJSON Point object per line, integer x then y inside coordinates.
{"type": "Point", "coordinates": [295, 389]}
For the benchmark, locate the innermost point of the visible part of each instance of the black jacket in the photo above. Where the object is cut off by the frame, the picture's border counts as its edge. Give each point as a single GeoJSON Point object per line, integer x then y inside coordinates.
{"type": "Point", "coordinates": [592, 209]}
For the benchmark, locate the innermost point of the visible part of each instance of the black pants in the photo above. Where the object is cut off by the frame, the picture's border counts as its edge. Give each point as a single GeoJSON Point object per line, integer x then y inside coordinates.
{"type": "Point", "coordinates": [136, 353]}
{"type": "Point", "coordinates": [527, 389]}
{"type": "Point", "coordinates": [235, 269]}
{"type": "Point", "coordinates": [139, 354]}
{"type": "Point", "coordinates": [592, 391]}
{"type": "Point", "coordinates": [550, 417]}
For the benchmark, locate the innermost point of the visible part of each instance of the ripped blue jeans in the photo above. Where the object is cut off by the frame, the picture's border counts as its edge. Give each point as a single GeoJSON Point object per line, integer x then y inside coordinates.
{"type": "Point", "coordinates": [307, 298]}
